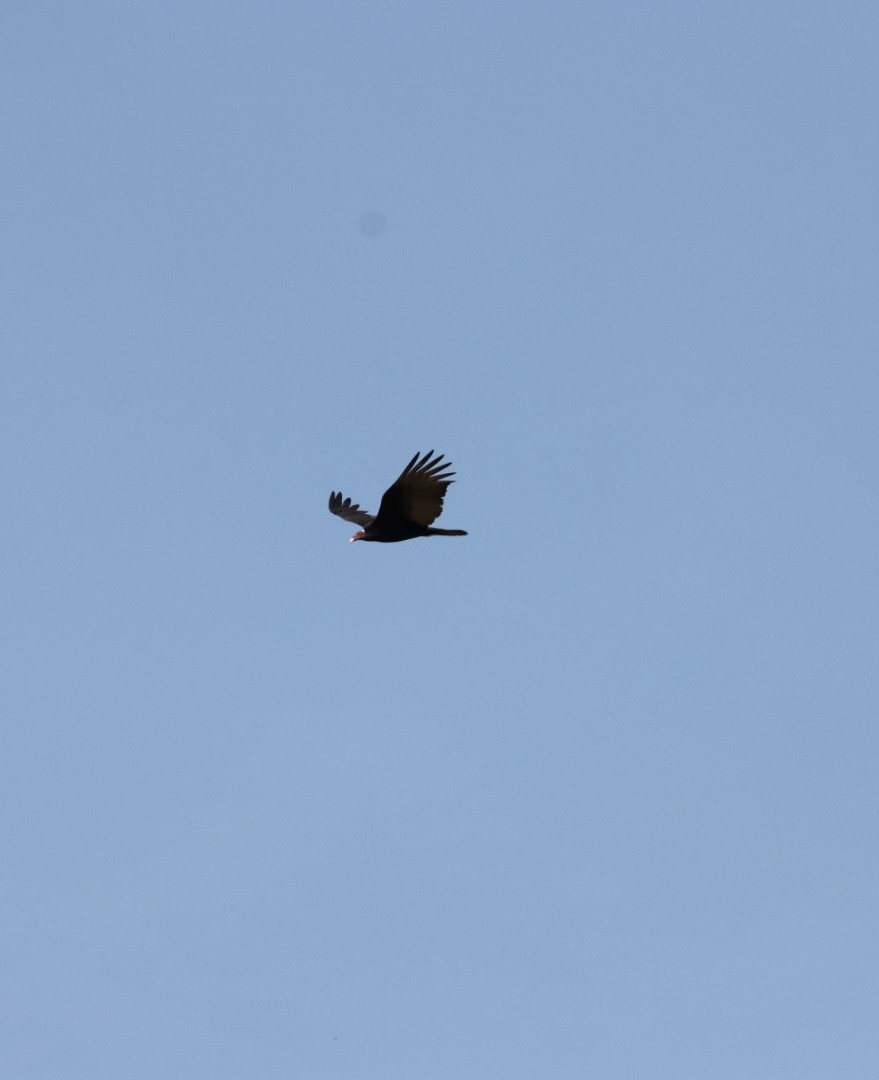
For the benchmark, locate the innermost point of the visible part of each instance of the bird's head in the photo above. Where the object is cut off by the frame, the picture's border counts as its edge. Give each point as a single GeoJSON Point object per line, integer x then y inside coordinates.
{"type": "Point", "coordinates": [357, 536]}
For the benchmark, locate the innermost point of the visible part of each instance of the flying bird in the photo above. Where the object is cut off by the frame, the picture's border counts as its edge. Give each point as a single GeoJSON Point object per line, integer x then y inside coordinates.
{"type": "Point", "coordinates": [408, 508]}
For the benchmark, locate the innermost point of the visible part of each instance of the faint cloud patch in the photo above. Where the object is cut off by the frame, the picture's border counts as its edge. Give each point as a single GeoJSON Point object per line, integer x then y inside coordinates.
{"type": "Point", "coordinates": [373, 223]}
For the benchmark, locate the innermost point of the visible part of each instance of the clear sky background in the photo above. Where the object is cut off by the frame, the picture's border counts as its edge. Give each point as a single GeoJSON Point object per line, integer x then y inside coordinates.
{"type": "Point", "coordinates": [590, 793]}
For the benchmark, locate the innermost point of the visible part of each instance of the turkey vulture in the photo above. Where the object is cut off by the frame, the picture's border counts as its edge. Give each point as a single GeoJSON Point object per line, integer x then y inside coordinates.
{"type": "Point", "coordinates": [409, 506]}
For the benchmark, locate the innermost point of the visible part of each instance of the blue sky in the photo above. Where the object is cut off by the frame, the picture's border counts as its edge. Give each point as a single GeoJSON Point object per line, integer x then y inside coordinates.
{"type": "Point", "coordinates": [589, 793]}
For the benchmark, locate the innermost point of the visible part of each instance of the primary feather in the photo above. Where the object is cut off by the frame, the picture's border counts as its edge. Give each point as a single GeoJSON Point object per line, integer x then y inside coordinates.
{"type": "Point", "coordinates": [344, 508]}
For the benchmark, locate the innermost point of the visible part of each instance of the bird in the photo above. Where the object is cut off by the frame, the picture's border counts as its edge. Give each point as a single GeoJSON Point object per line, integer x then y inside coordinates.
{"type": "Point", "coordinates": [408, 508]}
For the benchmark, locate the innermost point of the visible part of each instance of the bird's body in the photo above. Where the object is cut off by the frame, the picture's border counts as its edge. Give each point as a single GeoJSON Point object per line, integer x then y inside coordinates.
{"type": "Point", "coordinates": [408, 508]}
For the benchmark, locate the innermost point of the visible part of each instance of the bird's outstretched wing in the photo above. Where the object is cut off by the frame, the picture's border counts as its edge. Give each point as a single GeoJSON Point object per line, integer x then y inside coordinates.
{"type": "Point", "coordinates": [418, 492]}
{"type": "Point", "coordinates": [344, 508]}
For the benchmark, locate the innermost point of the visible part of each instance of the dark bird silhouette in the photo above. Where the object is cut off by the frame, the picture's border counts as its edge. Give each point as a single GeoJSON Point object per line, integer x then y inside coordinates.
{"type": "Point", "coordinates": [408, 508]}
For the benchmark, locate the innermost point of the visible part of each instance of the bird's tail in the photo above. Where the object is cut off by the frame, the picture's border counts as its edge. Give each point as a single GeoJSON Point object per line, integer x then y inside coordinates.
{"type": "Point", "coordinates": [446, 532]}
